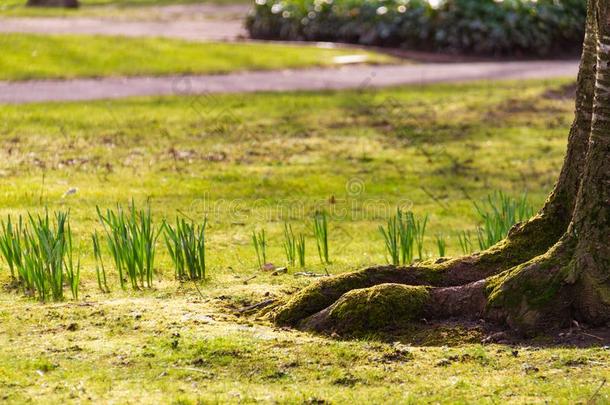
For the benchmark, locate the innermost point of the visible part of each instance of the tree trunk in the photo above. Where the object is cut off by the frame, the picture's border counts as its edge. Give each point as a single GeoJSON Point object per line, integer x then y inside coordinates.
{"type": "Point", "coordinates": [53, 3]}
{"type": "Point", "coordinates": [547, 272]}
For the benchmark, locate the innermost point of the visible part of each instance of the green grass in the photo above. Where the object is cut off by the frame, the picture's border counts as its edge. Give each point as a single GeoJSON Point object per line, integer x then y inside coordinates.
{"type": "Point", "coordinates": [185, 242]}
{"type": "Point", "coordinates": [26, 56]}
{"type": "Point", "coordinates": [290, 245]}
{"type": "Point", "coordinates": [259, 242]}
{"type": "Point", "coordinates": [40, 254]}
{"type": "Point", "coordinates": [498, 215]}
{"type": "Point", "coordinates": [131, 237]}
{"type": "Point", "coordinates": [102, 8]}
{"type": "Point", "coordinates": [320, 232]}
{"type": "Point", "coordinates": [258, 161]}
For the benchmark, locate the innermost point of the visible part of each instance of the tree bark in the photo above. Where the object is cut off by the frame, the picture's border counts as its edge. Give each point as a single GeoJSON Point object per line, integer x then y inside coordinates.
{"type": "Point", "coordinates": [548, 271]}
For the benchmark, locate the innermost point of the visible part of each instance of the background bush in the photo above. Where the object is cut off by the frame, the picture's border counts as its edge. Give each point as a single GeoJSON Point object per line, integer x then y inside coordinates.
{"type": "Point", "coordinates": [509, 27]}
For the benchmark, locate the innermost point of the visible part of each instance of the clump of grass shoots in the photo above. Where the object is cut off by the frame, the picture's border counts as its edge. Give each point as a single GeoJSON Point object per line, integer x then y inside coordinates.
{"type": "Point", "coordinates": [441, 244]}
{"type": "Point", "coordinates": [46, 256]}
{"type": "Point", "coordinates": [405, 235]}
{"type": "Point", "coordinates": [72, 269]}
{"type": "Point", "coordinates": [100, 270]}
{"type": "Point", "coordinates": [131, 237]}
{"type": "Point", "coordinates": [10, 244]}
{"type": "Point", "coordinates": [404, 232]}
{"type": "Point", "coordinates": [320, 231]}
{"type": "Point", "coordinates": [186, 245]}
{"type": "Point", "coordinates": [499, 213]}
{"type": "Point", "coordinates": [259, 241]}
{"type": "Point", "coordinates": [290, 244]}
{"type": "Point", "coordinates": [465, 241]}
{"type": "Point", "coordinates": [419, 232]}
{"type": "Point", "coordinates": [300, 246]}
{"type": "Point", "coordinates": [391, 235]}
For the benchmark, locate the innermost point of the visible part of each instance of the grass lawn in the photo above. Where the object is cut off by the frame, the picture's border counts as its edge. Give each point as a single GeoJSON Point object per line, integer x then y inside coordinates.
{"type": "Point", "coordinates": [101, 8]}
{"type": "Point", "coordinates": [26, 56]}
{"type": "Point", "coordinates": [251, 162]}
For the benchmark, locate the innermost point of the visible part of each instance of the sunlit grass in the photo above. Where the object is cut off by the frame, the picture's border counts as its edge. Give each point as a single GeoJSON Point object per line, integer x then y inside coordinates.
{"type": "Point", "coordinates": [30, 56]}
{"type": "Point", "coordinates": [258, 162]}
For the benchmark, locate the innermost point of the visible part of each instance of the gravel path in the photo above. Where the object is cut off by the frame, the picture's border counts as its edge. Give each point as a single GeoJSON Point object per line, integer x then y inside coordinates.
{"type": "Point", "coordinates": [347, 77]}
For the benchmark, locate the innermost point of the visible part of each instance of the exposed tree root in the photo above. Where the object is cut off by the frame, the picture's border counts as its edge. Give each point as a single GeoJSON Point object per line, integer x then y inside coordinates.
{"type": "Point", "coordinates": [522, 244]}
{"type": "Point", "coordinates": [529, 297]}
{"type": "Point", "coordinates": [370, 309]}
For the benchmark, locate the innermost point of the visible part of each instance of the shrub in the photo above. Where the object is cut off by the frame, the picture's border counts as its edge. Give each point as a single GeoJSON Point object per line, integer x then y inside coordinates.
{"type": "Point", "coordinates": [505, 27]}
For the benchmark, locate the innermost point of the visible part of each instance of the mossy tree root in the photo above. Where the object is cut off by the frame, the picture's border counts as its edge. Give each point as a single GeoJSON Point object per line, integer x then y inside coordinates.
{"type": "Point", "coordinates": [522, 244]}
{"type": "Point", "coordinates": [533, 296]}
{"type": "Point", "coordinates": [389, 306]}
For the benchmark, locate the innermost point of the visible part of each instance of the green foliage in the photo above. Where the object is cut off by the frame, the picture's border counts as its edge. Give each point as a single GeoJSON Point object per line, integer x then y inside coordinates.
{"type": "Point", "coordinates": [290, 244]}
{"type": "Point", "coordinates": [186, 246]}
{"type": "Point", "coordinates": [498, 214]}
{"type": "Point", "coordinates": [441, 244]}
{"type": "Point", "coordinates": [131, 238]}
{"type": "Point", "coordinates": [474, 26]}
{"type": "Point", "coordinates": [465, 241]}
{"type": "Point", "coordinates": [259, 241]}
{"type": "Point", "coordinates": [41, 255]}
{"type": "Point", "coordinates": [100, 270]}
{"type": "Point", "coordinates": [406, 235]}
{"type": "Point", "coordinates": [419, 232]}
{"type": "Point", "coordinates": [10, 244]}
{"type": "Point", "coordinates": [403, 233]}
{"type": "Point", "coordinates": [72, 269]}
{"type": "Point", "coordinates": [391, 236]}
{"type": "Point", "coordinates": [320, 232]}
{"type": "Point", "coordinates": [300, 246]}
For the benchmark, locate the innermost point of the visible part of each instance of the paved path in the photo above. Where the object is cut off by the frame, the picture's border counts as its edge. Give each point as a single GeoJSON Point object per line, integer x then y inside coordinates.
{"type": "Point", "coordinates": [205, 29]}
{"type": "Point", "coordinates": [305, 79]}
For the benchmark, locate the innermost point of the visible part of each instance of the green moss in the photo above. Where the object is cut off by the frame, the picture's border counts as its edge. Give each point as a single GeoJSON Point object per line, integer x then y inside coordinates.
{"type": "Point", "coordinates": [525, 294]}
{"type": "Point", "coordinates": [318, 296]}
{"type": "Point", "coordinates": [380, 307]}
{"type": "Point", "coordinates": [526, 241]}
{"type": "Point", "coordinates": [325, 292]}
